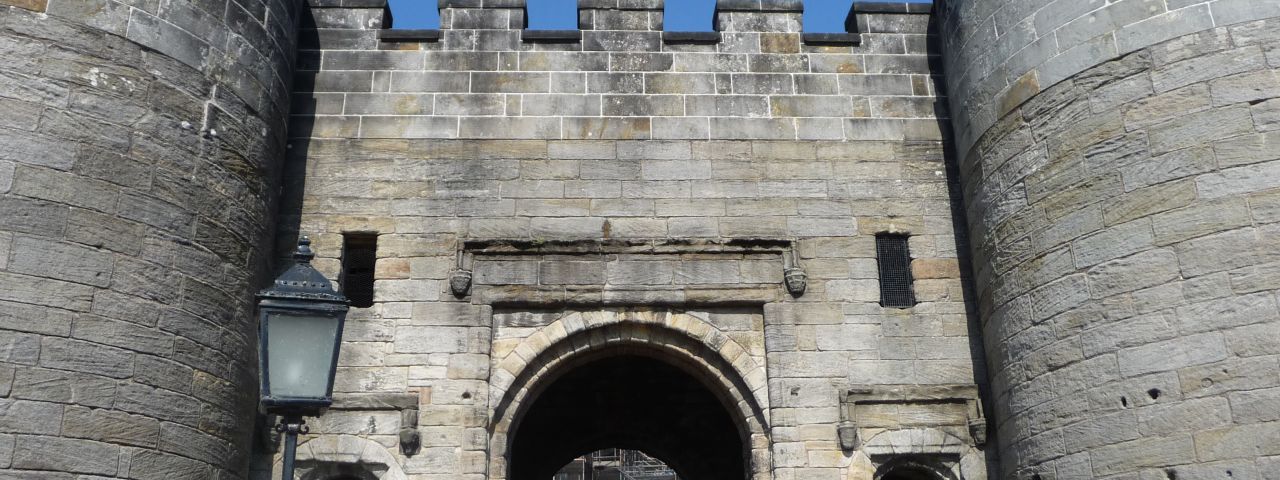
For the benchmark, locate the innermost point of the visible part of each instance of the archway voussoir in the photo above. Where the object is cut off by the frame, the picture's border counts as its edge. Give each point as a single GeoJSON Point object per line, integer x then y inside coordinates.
{"type": "Point", "coordinates": [556, 331]}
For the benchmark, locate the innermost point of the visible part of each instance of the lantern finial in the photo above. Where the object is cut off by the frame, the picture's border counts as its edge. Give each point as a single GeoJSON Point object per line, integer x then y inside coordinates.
{"type": "Point", "coordinates": [304, 254]}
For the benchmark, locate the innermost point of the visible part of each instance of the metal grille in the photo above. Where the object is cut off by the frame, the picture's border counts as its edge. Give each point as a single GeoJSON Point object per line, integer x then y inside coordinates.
{"type": "Point", "coordinates": [894, 260]}
{"type": "Point", "coordinates": [359, 255]}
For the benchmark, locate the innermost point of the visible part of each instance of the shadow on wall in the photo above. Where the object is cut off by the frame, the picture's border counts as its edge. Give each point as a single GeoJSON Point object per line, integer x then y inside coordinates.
{"type": "Point", "coordinates": [960, 225]}
{"type": "Point", "coordinates": [820, 16]}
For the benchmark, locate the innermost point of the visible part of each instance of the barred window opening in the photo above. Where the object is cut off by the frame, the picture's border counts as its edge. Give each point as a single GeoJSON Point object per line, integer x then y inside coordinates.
{"type": "Point", "coordinates": [359, 255]}
{"type": "Point", "coordinates": [894, 260]}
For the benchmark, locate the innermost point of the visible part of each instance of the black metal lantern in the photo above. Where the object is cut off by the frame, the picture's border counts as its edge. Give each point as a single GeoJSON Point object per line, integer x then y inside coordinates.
{"type": "Point", "coordinates": [300, 331]}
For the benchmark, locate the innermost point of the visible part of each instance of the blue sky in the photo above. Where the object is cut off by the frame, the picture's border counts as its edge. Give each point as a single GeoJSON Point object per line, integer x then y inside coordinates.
{"type": "Point", "coordinates": [682, 15]}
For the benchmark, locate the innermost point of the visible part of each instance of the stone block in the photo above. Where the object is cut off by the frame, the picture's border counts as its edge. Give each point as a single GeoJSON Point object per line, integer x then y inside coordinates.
{"type": "Point", "coordinates": [1209, 66]}
{"type": "Point", "coordinates": [1247, 149]}
{"type": "Point", "coordinates": [371, 379]}
{"type": "Point", "coordinates": [1231, 375]}
{"type": "Point", "coordinates": [1219, 252]}
{"type": "Point", "coordinates": [1249, 440]}
{"type": "Point", "coordinates": [514, 128]}
{"type": "Point", "coordinates": [33, 5]}
{"type": "Point", "coordinates": [1201, 128]}
{"type": "Point", "coordinates": [6, 176]}
{"type": "Point", "coordinates": [26, 417]}
{"type": "Point", "coordinates": [19, 348]}
{"type": "Point", "coordinates": [850, 337]}
{"type": "Point", "coordinates": [1166, 106]}
{"type": "Point", "coordinates": [23, 215]}
{"type": "Point", "coordinates": [1137, 454]}
{"type": "Point", "coordinates": [1239, 180]}
{"type": "Point", "coordinates": [1146, 201]}
{"type": "Point", "coordinates": [1201, 218]}
{"type": "Point", "coordinates": [86, 357]}
{"type": "Point", "coordinates": [1169, 167]}
{"type": "Point", "coordinates": [432, 340]}
{"type": "Point", "coordinates": [155, 465]}
{"type": "Point", "coordinates": [1161, 26]}
{"type": "Point", "coordinates": [122, 334]}
{"type": "Point", "coordinates": [1191, 415]}
{"type": "Point", "coordinates": [1245, 87]}
{"type": "Point", "coordinates": [1114, 242]}
{"type": "Point", "coordinates": [1172, 354]}
{"type": "Point", "coordinates": [1256, 406]}
{"type": "Point", "coordinates": [161, 373]}
{"type": "Point", "coordinates": [110, 426]}
{"type": "Point", "coordinates": [407, 290]}
{"type": "Point", "coordinates": [1227, 312]}
{"type": "Point", "coordinates": [67, 455]}
{"type": "Point", "coordinates": [160, 404]}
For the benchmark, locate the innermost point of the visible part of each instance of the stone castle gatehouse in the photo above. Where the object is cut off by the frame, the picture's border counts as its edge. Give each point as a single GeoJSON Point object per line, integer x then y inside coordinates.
{"type": "Point", "coordinates": [983, 239]}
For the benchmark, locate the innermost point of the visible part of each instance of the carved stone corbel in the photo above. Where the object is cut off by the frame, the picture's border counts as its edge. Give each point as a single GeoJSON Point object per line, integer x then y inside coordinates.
{"type": "Point", "coordinates": [410, 438]}
{"type": "Point", "coordinates": [792, 275]}
{"type": "Point", "coordinates": [460, 280]}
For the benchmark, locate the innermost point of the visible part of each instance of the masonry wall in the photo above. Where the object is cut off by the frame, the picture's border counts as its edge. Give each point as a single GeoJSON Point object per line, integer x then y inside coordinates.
{"type": "Point", "coordinates": [1119, 173]}
{"type": "Point", "coordinates": [139, 147]}
{"type": "Point", "coordinates": [620, 180]}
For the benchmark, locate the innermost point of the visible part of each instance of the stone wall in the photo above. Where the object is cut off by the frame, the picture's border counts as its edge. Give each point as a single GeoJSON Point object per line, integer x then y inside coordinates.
{"type": "Point", "coordinates": [1120, 196]}
{"type": "Point", "coordinates": [618, 189]}
{"type": "Point", "coordinates": [999, 53]}
{"type": "Point", "coordinates": [138, 167]}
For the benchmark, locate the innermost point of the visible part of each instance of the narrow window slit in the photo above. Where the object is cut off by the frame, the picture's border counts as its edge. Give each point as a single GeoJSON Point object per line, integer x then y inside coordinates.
{"type": "Point", "coordinates": [359, 255]}
{"type": "Point", "coordinates": [894, 260]}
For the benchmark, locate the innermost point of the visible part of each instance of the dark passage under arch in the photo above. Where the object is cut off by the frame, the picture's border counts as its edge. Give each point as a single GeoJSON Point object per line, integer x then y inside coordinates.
{"type": "Point", "coordinates": [632, 402]}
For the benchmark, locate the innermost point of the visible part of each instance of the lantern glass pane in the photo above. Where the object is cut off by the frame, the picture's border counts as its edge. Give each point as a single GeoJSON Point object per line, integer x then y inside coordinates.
{"type": "Point", "coordinates": [300, 354]}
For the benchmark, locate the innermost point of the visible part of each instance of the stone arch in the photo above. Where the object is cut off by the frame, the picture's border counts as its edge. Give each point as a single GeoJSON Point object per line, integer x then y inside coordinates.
{"type": "Point", "coordinates": [343, 456]}
{"type": "Point", "coordinates": [931, 453]}
{"type": "Point", "coordinates": [691, 343]}
{"type": "Point", "coordinates": [659, 323]}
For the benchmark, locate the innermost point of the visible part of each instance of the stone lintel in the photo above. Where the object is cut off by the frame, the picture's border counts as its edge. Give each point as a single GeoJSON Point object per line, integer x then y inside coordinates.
{"type": "Point", "coordinates": [656, 246]}
{"type": "Point", "coordinates": [375, 401]}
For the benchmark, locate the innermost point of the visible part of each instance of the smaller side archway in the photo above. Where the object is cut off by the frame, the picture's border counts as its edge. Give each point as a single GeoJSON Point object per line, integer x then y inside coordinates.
{"type": "Point", "coordinates": [343, 457]}
{"type": "Point", "coordinates": [921, 453]}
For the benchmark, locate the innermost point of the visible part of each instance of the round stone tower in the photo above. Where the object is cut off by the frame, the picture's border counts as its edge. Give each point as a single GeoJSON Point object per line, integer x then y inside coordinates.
{"type": "Point", "coordinates": [139, 151]}
{"type": "Point", "coordinates": [1121, 164]}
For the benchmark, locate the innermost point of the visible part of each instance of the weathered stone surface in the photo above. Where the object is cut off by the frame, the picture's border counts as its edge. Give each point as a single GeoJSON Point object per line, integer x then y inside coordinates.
{"type": "Point", "coordinates": [152, 465]}
{"type": "Point", "coordinates": [79, 356]}
{"type": "Point", "coordinates": [28, 417]}
{"type": "Point", "coordinates": [110, 426]}
{"type": "Point", "coordinates": [143, 400]}
{"type": "Point", "coordinates": [67, 455]}
{"type": "Point", "coordinates": [63, 387]}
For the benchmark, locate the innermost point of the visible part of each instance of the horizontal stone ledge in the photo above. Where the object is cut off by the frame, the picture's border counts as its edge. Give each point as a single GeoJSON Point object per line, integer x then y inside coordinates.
{"type": "Point", "coordinates": [837, 39]}
{"type": "Point", "coordinates": [347, 3]}
{"type": "Point", "coordinates": [482, 4]}
{"type": "Point", "coordinates": [745, 295]}
{"type": "Point", "coordinates": [690, 37]}
{"type": "Point", "coordinates": [375, 401]}
{"type": "Point", "coordinates": [409, 35]}
{"type": "Point", "coordinates": [621, 4]}
{"type": "Point", "coordinates": [551, 36]}
{"type": "Point", "coordinates": [910, 393]}
{"type": "Point", "coordinates": [596, 246]}
{"type": "Point", "coordinates": [893, 7]}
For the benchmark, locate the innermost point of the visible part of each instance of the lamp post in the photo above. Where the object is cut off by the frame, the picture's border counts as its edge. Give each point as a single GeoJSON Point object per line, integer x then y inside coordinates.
{"type": "Point", "coordinates": [300, 321]}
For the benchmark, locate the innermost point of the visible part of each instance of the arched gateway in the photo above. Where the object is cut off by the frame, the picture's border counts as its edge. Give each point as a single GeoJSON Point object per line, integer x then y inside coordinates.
{"type": "Point", "coordinates": [659, 382]}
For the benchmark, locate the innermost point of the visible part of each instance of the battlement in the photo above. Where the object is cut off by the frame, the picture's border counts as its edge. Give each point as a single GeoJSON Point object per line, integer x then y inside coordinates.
{"type": "Point", "coordinates": [621, 77]}
{"type": "Point", "coordinates": [631, 25]}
